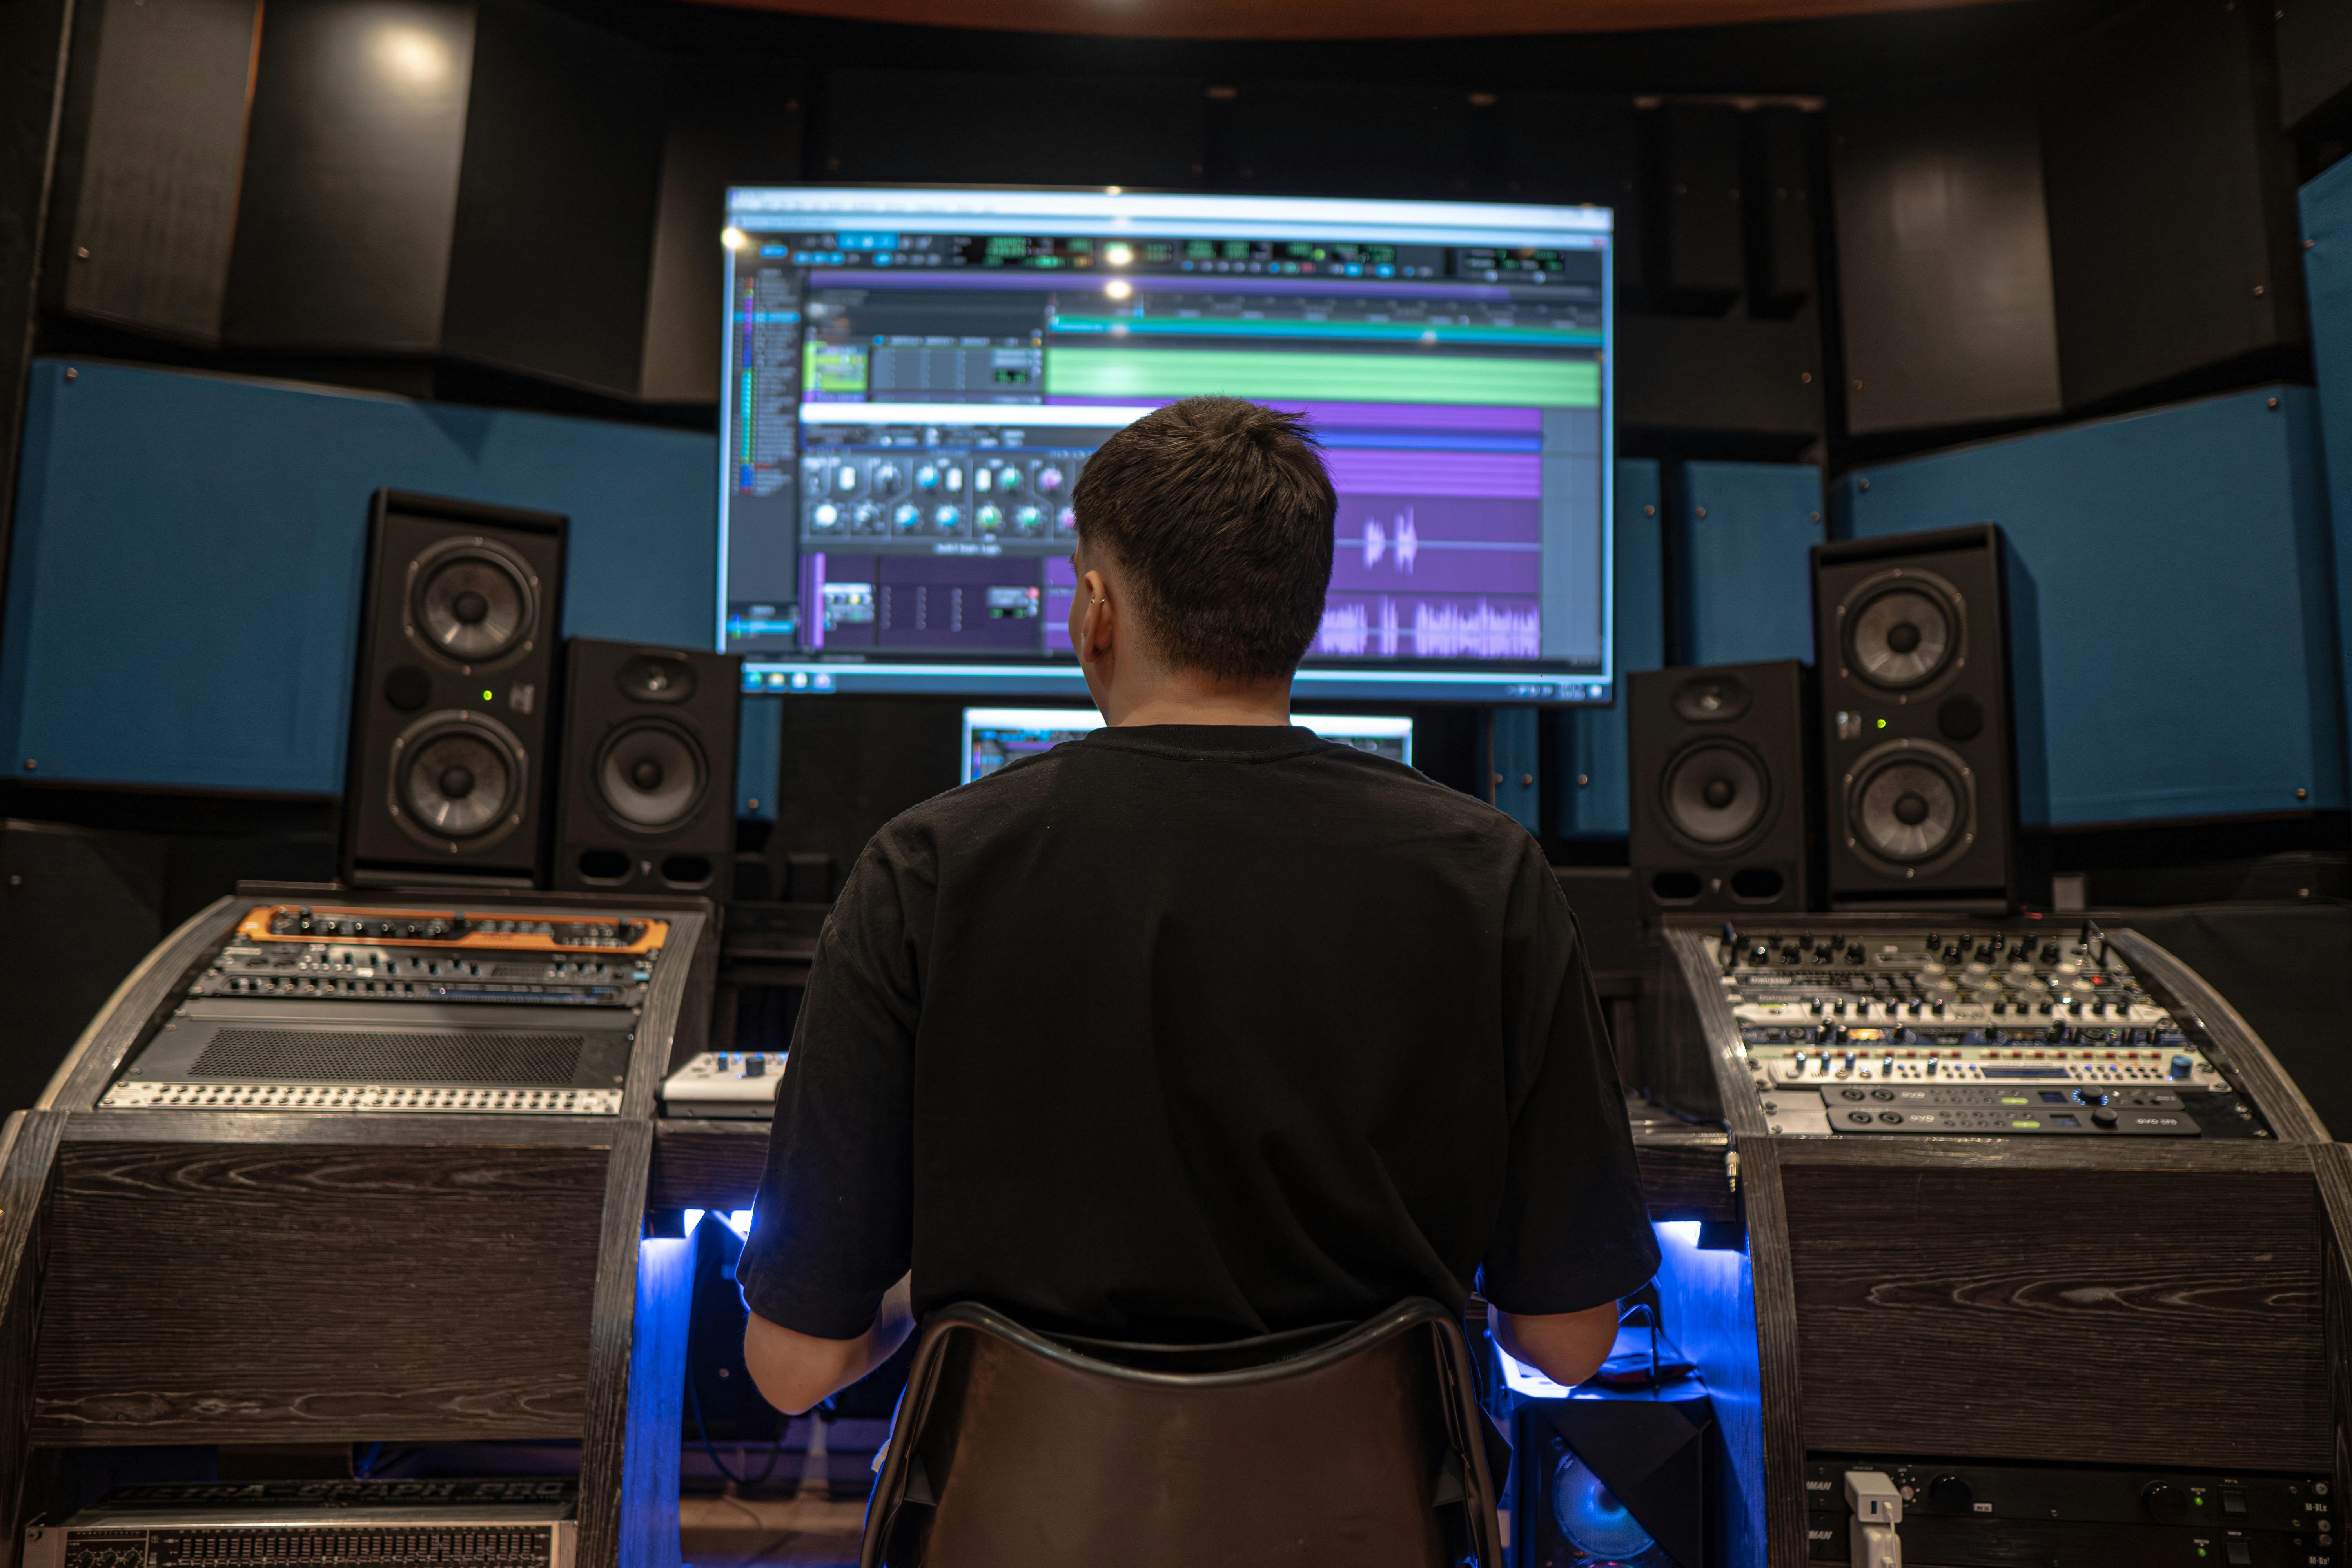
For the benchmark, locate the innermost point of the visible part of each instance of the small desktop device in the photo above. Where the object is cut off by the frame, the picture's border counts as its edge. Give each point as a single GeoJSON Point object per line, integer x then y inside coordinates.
{"type": "Point", "coordinates": [915, 380]}
{"type": "Point", "coordinates": [995, 736]}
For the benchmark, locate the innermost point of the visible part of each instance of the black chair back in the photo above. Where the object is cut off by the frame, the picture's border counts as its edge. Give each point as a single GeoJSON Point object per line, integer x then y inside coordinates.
{"type": "Point", "coordinates": [1340, 1447]}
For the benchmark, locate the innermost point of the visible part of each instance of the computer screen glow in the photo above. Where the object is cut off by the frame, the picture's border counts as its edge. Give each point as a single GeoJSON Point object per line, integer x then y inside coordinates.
{"type": "Point", "coordinates": [916, 378]}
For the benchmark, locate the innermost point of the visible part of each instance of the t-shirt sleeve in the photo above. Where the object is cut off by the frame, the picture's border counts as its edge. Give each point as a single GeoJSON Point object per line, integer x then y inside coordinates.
{"type": "Point", "coordinates": [832, 1227]}
{"type": "Point", "coordinates": [1575, 1228]}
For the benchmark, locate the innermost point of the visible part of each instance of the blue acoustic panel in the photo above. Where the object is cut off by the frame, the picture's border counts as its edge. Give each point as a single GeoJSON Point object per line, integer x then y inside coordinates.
{"type": "Point", "coordinates": [1747, 570]}
{"type": "Point", "coordinates": [760, 758]}
{"type": "Point", "coordinates": [2327, 278]}
{"type": "Point", "coordinates": [184, 583]}
{"type": "Point", "coordinates": [1591, 792]}
{"type": "Point", "coordinates": [2182, 565]}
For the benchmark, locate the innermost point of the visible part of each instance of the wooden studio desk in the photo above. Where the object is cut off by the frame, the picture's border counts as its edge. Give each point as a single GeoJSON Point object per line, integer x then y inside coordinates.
{"type": "Point", "coordinates": [251, 1265]}
{"type": "Point", "coordinates": [301, 1271]}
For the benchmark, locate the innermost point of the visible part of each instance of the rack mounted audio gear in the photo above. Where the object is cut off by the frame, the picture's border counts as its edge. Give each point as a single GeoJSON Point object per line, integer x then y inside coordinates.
{"type": "Point", "coordinates": [319, 1524]}
{"type": "Point", "coordinates": [1943, 1026]}
{"type": "Point", "coordinates": [399, 1007]}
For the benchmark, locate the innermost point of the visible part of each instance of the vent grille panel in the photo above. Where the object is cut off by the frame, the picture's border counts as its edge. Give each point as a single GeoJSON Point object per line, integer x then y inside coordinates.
{"type": "Point", "coordinates": [374, 1056]}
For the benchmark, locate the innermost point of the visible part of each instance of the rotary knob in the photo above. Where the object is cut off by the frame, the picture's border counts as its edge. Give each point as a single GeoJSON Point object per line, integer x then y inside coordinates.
{"type": "Point", "coordinates": [1008, 479]}
{"type": "Point", "coordinates": [988, 519]}
{"type": "Point", "coordinates": [1952, 1494]}
{"type": "Point", "coordinates": [824, 516]}
{"type": "Point", "coordinates": [886, 478]}
{"type": "Point", "coordinates": [926, 478]}
{"type": "Point", "coordinates": [907, 517]}
{"type": "Point", "coordinates": [1049, 480]}
{"type": "Point", "coordinates": [2163, 1503]}
{"type": "Point", "coordinates": [1028, 519]}
{"type": "Point", "coordinates": [947, 518]}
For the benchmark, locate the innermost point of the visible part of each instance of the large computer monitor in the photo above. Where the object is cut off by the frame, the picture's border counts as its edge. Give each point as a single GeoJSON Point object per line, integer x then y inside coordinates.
{"type": "Point", "coordinates": [915, 378]}
{"type": "Point", "coordinates": [995, 736]}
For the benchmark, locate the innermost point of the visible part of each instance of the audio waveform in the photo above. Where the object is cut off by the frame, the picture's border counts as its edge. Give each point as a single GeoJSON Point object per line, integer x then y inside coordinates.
{"type": "Point", "coordinates": [1437, 629]}
{"type": "Point", "coordinates": [1404, 541]}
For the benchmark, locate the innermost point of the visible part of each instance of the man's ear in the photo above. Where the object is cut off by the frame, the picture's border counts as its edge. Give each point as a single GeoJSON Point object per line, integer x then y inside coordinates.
{"type": "Point", "coordinates": [1099, 621]}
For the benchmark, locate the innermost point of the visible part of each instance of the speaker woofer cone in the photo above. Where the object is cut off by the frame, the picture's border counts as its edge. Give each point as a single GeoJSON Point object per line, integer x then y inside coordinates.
{"type": "Point", "coordinates": [650, 776]}
{"type": "Point", "coordinates": [1911, 804]}
{"type": "Point", "coordinates": [472, 600]}
{"type": "Point", "coordinates": [1716, 792]}
{"type": "Point", "coordinates": [1901, 631]}
{"type": "Point", "coordinates": [457, 780]}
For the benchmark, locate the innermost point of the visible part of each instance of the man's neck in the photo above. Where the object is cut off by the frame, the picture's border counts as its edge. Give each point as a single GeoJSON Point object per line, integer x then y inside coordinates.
{"type": "Point", "coordinates": [1186, 698]}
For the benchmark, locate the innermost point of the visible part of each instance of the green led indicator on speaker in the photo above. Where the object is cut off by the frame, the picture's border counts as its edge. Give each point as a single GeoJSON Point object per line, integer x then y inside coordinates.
{"type": "Point", "coordinates": [486, 697]}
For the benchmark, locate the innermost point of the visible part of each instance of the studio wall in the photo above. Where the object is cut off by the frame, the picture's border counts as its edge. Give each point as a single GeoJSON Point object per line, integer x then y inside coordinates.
{"type": "Point", "coordinates": [2183, 568]}
{"type": "Point", "coordinates": [1744, 530]}
{"type": "Point", "coordinates": [1590, 763]}
{"type": "Point", "coordinates": [185, 568]}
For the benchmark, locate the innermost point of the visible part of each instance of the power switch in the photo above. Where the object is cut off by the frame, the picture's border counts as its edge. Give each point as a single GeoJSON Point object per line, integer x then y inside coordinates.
{"type": "Point", "coordinates": [2241, 1552]}
{"type": "Point", "coordinates": [2233, 1501]}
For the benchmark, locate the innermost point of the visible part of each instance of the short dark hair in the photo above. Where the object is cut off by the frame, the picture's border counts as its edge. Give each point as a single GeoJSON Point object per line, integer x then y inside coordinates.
{"type": "Point", "coordinates": [1222, 514]}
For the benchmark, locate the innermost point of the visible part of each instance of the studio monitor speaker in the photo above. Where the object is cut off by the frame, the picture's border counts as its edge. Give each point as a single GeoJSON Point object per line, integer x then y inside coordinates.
{"type": "Point", "coordinates": [1721, 807]}
{"type": "Point", "coordinates": [1920, 671]}
{"type": "Point", "coordinates": [445, 775]}
{"type": "Point", "coordinates": [648, 786]}
{"type": "Point", "coordinates": [1613, 1477]}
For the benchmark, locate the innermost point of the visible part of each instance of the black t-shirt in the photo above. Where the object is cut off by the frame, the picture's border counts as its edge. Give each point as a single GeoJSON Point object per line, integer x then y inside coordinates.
{"type": "Point", "coordinates": [1186, 1034]}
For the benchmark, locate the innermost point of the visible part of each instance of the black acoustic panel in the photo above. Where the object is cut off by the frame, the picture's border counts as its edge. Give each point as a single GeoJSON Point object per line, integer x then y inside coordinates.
{"type": "Point", "coordinates": [1702, 249]}
{"type": "Point", "coordinates": [145, 206]}
{"type": "Point", "coordinates": [1920, 723]}
{"type": "Point", "coordinates": [1720, 374]}
{"type": "Point", "coordinates": [79, 909]}
{"type": "Point", "coordinates": [1576, 148]}
{"type": "Point", "coordinates": [1358, 139]}
{"type": "Point", "coordinates": [646, 800]}
{"type": "Point", "coordinates": [1013, 128]}
{"type": "Point", "coordinates": [1720, 798]}
{"type": "Point", "coordinates": [351, 177]}
{"type": "Point", "coordinates": [456, 689]}
{"type": "Point", "coordinates": [553, 246]}
{"type": "Point", "coordinates": [1780, 214]}
{"type": "Point", "coordinates": [1943, 258]}
{"type": "Point", "coordinates": [2172, 197]}
{"type": "Point", "coordinates": [733, 120]}
{"type": "Point", "coordinates": [2314, 42]}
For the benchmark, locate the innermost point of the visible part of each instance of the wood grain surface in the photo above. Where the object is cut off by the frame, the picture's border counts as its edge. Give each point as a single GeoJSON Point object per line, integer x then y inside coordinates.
{"type": "Point", "coordinates": [29, 1142]}
{"type": "Point", "coordinates": [256, 1292]}
{"type": "Point", "coordinates": [603, 1440]}
{"type": "Point", "coordinates": [2332, 1165]}
{"type": "Point", "coordinates": [2121, 1317]}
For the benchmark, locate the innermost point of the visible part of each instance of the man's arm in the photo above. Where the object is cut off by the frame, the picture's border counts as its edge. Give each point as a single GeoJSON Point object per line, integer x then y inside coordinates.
{"type": "Point", "coordinates": [1566, 1347]}
{"type": "Point", "coordinates": [1573, 1235]}
{"type": "Point", "coordinates": [825, 1271]}
{"type": "Point", "coordinates": [797, 1372]}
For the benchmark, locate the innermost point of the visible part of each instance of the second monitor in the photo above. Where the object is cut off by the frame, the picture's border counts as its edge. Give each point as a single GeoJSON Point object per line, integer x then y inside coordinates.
{"type": "Point", "coordinates": [995, 736]}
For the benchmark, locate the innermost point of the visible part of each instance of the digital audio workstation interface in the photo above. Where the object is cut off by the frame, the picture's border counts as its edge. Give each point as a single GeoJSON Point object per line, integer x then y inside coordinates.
{"type": "Point", "coordinates": [995, 736]}
{"type": "Point", "coordinates": [916, 379]}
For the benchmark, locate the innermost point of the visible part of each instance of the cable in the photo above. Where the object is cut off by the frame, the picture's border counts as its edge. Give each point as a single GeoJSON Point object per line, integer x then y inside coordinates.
{"type": "Point", "coordinates": [775, 1454]}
